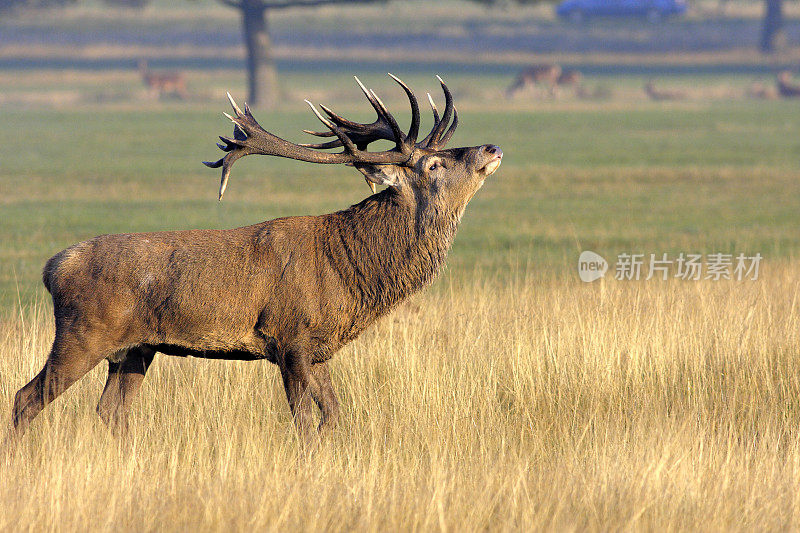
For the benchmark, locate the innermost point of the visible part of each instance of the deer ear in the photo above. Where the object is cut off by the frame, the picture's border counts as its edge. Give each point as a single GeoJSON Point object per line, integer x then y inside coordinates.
{"type": "Point", "coordinates": [380, 174]}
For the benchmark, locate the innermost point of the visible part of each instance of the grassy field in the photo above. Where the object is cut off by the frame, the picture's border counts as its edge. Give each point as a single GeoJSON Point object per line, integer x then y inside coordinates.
{"type": "Point", "coordinates": [496, 404]}
{"type": "Point", "coordinates": [509, 396]}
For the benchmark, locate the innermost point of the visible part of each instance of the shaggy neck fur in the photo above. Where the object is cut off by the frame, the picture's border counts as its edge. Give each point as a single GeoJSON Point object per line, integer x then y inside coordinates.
{"type": "Point", "coordinates": [389, 246]}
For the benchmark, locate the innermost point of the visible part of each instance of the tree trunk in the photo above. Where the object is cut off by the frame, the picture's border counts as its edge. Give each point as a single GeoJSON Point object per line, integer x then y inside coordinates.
{"type": "Point", "coordinates": [261, 78]}
{"type": "Point", "coordinates": [772, 30]}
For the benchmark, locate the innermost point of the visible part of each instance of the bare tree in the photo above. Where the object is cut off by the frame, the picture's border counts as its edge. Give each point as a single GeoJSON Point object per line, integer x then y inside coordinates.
{"type": "Point", "coordinates": [772, 27]}
{"type": "Point", "coordinates": [292, 291]}
{"type": "Point", "coordinates": [261, 77]}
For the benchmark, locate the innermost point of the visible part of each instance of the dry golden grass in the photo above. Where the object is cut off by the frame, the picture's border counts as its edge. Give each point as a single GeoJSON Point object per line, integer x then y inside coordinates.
{"type": "Point", "coordinates": [499, 405]}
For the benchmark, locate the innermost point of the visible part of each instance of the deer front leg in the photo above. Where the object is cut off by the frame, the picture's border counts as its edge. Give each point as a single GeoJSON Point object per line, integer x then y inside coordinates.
{"type": "Point", "coordinates": [306, 384]}
{"type": "Point", "coordinates": [325, 397]}
{"type": "Point", "coordinates": [295, 368]}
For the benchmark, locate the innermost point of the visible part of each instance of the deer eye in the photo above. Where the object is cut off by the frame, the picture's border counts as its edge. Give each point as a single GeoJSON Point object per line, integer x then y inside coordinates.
{"type": "Point", "coordinates": [433, 166]}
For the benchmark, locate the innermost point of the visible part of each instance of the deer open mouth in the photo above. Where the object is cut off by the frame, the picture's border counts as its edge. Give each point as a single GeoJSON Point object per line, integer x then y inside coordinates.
{"type": "Point", "coordinates": [493, 164]}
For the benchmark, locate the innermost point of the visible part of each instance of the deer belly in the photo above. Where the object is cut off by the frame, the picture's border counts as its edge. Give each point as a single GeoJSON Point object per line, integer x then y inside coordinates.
{"type": "Point", "coordinates": [229, 355]}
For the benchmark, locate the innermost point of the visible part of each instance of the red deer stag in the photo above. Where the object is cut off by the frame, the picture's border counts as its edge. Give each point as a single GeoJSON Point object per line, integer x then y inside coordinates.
{"type": "Point", "coordinates": [292, 290]}
{"type": "Point", "coordinates": [165, 82]}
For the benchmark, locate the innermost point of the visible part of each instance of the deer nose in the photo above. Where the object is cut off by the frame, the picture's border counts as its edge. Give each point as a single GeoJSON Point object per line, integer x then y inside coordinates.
{"type": "Point", "coordinates": [493, 150]}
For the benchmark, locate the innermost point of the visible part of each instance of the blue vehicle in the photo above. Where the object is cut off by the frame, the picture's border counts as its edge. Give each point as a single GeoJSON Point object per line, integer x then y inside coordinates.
{"type": "Point", "coordinates": [652, 10]}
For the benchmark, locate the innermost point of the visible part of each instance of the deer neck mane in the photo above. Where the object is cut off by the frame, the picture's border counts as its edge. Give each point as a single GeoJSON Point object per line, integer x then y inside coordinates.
{"type": "Point", "coordinates": [387, 247]}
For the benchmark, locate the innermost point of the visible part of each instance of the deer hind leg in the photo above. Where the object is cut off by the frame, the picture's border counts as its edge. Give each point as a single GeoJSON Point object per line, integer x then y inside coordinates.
{"type": "Point", "coordinates": [69, 360]}
{"type": "Point", "coordinates": [125, 377]}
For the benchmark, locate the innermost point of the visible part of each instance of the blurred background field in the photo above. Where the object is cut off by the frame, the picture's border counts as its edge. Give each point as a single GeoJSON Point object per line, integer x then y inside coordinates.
{"type": "Point", "coordinates": [551, 403]}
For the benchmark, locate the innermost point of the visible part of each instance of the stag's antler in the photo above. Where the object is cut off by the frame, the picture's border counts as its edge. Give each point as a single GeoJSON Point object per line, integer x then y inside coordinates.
{"type": "Point", "coordinates": [250, 138]}
{"type": "Point", "coordinates": [383, 127]}
{"type": "Point", "coordinates": [438, 137]}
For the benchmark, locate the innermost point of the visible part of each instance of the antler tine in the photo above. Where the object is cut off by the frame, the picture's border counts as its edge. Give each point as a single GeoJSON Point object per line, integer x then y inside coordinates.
{"type": "Point", "coordinates": [424, 142]}
{"type": "Point", "coordinates": [371, 97]}
{"type": "Point", "coordinates": [396, 132]}
{"type": "Point", "coordinates": [343, 138]}
{"type": "Point", "coordinates": [226, 163]}
{"type": "Point", "coordinates": [320, 133]}
{"type": "Point", "coordinates": [433, 108]}
{"type": "Point", "coordinates": [341, 121]}
{"type": "Point", "coordinates": [439, 129]}
{"type": "Point", "coordinates": [322, 146]}
{"type": "Point", "coordinates": [451, 130]}
{"type": "Point", "coordinates": [228, 146]}
{"type": "Point", "coordinates": [234, 106]}
{"type": "Point", "coordinates": [413, 131]}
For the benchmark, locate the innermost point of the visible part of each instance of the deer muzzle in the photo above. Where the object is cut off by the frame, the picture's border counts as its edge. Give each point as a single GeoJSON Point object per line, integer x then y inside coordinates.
{"type": "Point", "coordinates": [494, 156]}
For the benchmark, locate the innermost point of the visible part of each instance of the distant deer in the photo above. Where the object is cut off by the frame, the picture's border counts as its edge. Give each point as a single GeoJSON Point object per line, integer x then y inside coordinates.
{"type": "Point", "coordinates": [569, 78]}
{"type": "Point", "coordinates": [663, 94]}
{"type": "Point", "coordinates": [786, 88]}
{"type": "Point", "coordinates": [163, 82]}
{"type": "Point", "coordinates": [532, 77]}
{"type": "Point", "coordinates": [292, 290]}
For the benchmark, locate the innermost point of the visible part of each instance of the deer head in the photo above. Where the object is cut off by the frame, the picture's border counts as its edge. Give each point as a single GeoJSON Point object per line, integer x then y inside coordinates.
{"type": "Point", "coordinates": [423, 172]}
